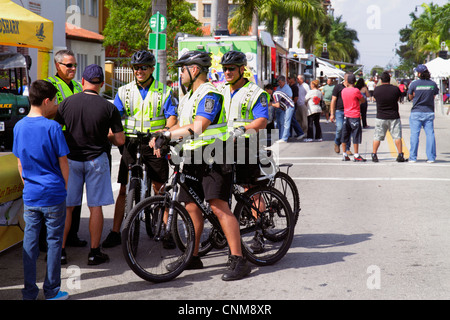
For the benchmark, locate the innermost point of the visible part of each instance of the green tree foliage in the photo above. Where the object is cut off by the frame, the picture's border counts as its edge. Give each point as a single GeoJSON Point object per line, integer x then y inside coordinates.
{"type": "Point", "coordinates": [423, 37]}
{"type": "Point", "coordinates": [128, 23]}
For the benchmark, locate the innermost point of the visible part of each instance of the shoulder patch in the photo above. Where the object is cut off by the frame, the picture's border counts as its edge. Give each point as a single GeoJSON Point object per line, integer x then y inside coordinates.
{"type": "Point", "coordinates": [209, 105]}
{"type": "Point", "coordinates": [264, 100]}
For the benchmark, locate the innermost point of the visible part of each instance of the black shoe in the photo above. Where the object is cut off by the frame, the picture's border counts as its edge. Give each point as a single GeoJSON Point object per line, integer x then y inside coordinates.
{"type": "Point", "coordinates": [113, 239]}
{"type": "Point", "coordinates": [400, 158]}
{"type": "Point", "coordinates": [359, 159]}
{"type": "Point", "coordinates": [76, 242]}
{"type": "Point", "coordinates": [195, 264]}
{"type": "Point", "coordinates": [63, 256]}
{"type": "Point", "coordinates": [258, 244]}
{"type": "Point", "coordinates": [97, 257]}
{"type": "Point", "coordinates": [374, 157]}
{"type": "Point", "coordinates": [237, 269]}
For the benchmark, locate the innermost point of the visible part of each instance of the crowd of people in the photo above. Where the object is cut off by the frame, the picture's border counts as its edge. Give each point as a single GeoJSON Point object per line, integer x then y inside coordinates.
{"type": "Point", "coordinates": [56, 159]}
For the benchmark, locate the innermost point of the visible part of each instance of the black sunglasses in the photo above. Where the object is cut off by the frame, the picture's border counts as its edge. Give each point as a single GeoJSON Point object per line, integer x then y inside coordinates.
{"type": "Point", "coordinates": [231, 69]}
{"type": "Point", "coordinates": [69, 65]}
{"type": "Point", "coordinates": [143, 68]}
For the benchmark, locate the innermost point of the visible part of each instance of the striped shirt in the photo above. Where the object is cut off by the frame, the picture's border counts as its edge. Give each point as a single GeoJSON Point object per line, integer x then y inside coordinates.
{"type": "Point", "coordinates": [284, 100]}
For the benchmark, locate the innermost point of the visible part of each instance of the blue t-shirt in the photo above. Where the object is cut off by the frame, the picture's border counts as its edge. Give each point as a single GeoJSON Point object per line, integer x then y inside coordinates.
{"type": "Point", "coordinates": [424, 92]}
{"type": "Point", "coordinates": [38, 143]}
{"type": "Point", "coordinates": [260, 109]}
{"type": "Point", "coordinates": [210, 106]}
{"type": "Point", "coordinates": [170, 106]}
{"type": "Point", "coordinates": [286, 89]}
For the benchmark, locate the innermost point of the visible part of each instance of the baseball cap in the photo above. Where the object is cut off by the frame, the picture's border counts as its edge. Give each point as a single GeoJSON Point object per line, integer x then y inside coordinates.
{"type": "Point", "coordinates": [92, 72]}
{"type": "Point", "coordinates": [421, 68]}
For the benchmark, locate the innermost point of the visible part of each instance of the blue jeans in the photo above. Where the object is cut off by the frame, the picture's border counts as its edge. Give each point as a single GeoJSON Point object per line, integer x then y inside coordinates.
{"type": "Point", "coordinates": [417, 120]}
{"type": "Point", "coordinates": [288, 114]}
{"type": "Point", "coordinates": [279, 120]}
{"type": "Point", "coordinates": [339, 125]}
{"type": "Point", "coordinates": [54, 219]}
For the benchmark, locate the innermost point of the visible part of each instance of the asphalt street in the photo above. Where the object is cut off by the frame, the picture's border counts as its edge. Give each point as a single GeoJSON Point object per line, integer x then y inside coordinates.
{"type": "Point", "coordinates": [366, 231]}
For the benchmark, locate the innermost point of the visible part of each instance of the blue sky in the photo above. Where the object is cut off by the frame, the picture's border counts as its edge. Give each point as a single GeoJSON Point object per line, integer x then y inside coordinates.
{"type": "Point", "coordinates": [378, 23]}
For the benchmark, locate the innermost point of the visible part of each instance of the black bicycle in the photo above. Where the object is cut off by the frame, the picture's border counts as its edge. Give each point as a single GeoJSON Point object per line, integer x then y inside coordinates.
{"type": "Point", "coordinates": [264, 215]}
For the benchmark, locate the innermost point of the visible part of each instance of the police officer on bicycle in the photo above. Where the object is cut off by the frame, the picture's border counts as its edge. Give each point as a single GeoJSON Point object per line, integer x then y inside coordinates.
{"type": "Point", "coordinates": [144, 107]}
{"type": "Point", "coordinates": [246, 106]}
{"type": "Point", "coordinates": [202, 121]}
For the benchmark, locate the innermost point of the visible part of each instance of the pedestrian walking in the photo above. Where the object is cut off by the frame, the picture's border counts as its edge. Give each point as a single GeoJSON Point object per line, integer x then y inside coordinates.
{"type": "Point", "coordinates": [422, 93]}
{"type": "Point", "coordinates": [337, 115]}
{"type": "Point", "coordinates": [361, 85]}
{"type": "Point", "coordinates": [387, 118]}
{"type": "Point", "coordinates": [41, 151]}
{"type": "Point", "coordinates": [301, 113]}
{"type": "Point", "coordinates": [313, 99]}
{"type": "Point", "coordinates": [327, 91]}
{"type": "Point", "coordinates": [92, 124]}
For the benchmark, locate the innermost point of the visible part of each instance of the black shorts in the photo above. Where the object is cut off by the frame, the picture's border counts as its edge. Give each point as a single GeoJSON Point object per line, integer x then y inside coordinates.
{"type": "Point", "coordinates": [157, 168]}
{"type": "Point", "coordinates": [352, 128]}
{"type": "Point", "coordinates": [208, 183]}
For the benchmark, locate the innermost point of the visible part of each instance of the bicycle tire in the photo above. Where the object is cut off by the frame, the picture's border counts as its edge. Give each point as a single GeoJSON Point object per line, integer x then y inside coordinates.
{"type": "Point", "coordinates": [146, 255]}
{"type": "Point", "coordinates": [133, 195]}
{"type": "Point", "coordinates": [284, 183]}
{"type": "Point", "coordinates": [273, 229]}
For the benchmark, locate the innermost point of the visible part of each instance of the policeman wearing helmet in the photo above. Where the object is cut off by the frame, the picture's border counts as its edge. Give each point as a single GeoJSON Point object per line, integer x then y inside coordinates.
{"type": "Point", "coordinates": [202, 118]}
{"type": "Point", "coordinates": [144, 107]}
{"type": "Point", "coordinates": [246, 108]}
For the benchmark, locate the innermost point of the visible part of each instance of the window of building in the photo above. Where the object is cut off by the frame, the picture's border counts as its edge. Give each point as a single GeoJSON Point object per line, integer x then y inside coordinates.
{"type": "Point", "coordinates": [82, 64]}
{"type": "Point", "coordinates": [93, 9]}
{"type": "Point", "coordinates": [207, 11]}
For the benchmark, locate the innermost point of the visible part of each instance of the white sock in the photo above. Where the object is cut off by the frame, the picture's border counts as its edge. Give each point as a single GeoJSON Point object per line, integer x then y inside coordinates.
{"type": "Point", "coordinates": [356, 155]}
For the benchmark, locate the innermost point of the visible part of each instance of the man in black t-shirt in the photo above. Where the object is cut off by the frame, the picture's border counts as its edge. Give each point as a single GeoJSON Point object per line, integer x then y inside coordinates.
{"type": "Point", "coordinates": [337, 114]}
{"type": "Point", "coordinates": [387, 97]}
{"type": "Point", "coordinates": [92, 123]}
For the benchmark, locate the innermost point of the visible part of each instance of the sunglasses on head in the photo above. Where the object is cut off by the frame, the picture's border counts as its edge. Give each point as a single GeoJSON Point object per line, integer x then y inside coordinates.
{"type": "Point", "coordinates": [231, 69]}
{"type": "Point", "coordinates": [69, 65]}
{"type": "Point", "coordinates": [143, 68]}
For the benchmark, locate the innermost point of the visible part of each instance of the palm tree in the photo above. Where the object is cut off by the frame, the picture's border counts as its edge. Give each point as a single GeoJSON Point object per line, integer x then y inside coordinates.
{"type": "Point", "coordinates": [275, 14]}
{"type": "Point", "coordinates": [340, 41]}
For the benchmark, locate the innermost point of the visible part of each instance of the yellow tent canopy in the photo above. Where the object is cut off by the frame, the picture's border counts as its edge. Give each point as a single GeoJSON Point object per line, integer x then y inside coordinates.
{"type": "Point", "coordinates": [23, 28]}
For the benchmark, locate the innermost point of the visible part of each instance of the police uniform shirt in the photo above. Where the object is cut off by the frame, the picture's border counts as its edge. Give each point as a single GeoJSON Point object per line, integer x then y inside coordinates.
{"type": "Point", "coordinates": [170, 107]}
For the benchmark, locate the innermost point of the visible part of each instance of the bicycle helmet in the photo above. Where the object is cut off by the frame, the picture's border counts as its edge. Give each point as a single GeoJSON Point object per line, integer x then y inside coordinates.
{"type": "Point", "coordinates": [143, 57]}
{"type": "Point", "coordinates": [234, 57]}
{"type": "Point", "coordinates": [200, 58]}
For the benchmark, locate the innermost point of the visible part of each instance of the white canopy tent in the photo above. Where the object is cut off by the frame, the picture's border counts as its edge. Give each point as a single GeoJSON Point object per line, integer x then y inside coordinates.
{"type": "Point", "coordinates": [440, 69]}
{"type": "Point", "coordinates": [328, 70]}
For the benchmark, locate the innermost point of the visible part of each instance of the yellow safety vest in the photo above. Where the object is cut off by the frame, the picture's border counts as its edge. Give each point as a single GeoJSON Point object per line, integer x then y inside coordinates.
{"type": "Point", "coordinates": [239, 109]}
{"type": "Point", "coordinates": [187, 111]}
{"type": "Point", "coordinates": [143, 115]}
{"type": "Point", "coordinates": [63, 88]}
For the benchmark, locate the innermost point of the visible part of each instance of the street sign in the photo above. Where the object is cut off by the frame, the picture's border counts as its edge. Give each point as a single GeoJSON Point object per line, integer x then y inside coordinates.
{"type": "Point", "coordinates": [157, 41]}
{"type": "Point", "coordinates": [158, 22]}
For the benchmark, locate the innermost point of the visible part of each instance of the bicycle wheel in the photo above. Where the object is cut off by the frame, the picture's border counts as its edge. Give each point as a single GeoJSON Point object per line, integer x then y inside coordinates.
{"type": "Point", "coordinates": [266, 225]}
{"type": "Point", "coordinates": [148, 256]}
{"type": "Point", "coordinates": [284, 183]}
{"type": "Point", "coordinates": [133, 195]}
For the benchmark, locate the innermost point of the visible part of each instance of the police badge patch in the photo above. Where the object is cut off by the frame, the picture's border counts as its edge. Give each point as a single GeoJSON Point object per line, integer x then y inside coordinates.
{"type": "Point", "coordinates": [209, 105]}
{"type": "Point", "coordinates": [264, 100]}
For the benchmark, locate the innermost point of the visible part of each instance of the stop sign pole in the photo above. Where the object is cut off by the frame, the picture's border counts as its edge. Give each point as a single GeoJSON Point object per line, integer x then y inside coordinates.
{"type": "Point", "coordinates": [158, 23]}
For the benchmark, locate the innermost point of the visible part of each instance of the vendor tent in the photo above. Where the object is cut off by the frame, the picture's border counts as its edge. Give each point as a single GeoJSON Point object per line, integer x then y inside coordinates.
{"type": "Point", "coordinates": [439, 68]}
{"type": "Point", "coordinates": [23, 28]}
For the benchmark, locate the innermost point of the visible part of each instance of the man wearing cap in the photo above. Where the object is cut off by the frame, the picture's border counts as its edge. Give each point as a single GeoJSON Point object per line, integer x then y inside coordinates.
{"type": "Point", "coordinates": [145, 105]}
{"type": "Point", "coordinates": [63, 81]}
{"type": "Point", "coordinates": [92, 123]}
{"type": "Point", "coordinates": [422, 93]}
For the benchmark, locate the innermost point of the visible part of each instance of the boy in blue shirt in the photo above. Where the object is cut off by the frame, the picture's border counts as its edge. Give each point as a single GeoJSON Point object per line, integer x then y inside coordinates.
{"type": "Point", "coordinates": [41, 151]}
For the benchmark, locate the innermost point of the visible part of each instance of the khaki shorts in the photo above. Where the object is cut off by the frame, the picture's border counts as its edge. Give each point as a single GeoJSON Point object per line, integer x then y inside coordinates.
{"type": "Point", "coordinates": [382, 126]}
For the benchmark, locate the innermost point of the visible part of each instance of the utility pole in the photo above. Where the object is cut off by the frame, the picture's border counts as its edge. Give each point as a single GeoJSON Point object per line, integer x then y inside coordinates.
{"type": "Point", "coordinates": [219, 16]}
{"type": "Point", "coordinates": [161, 7]}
